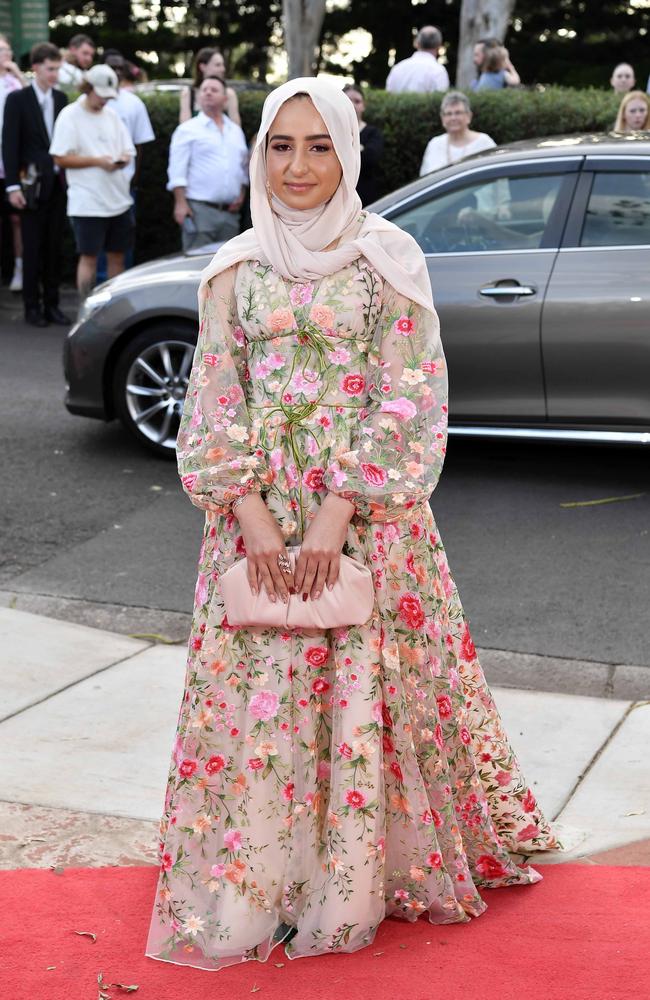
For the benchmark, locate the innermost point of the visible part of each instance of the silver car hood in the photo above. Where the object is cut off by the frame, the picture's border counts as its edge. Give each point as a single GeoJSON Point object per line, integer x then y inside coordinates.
{"type": "Point", "coordinates": [173, 267]}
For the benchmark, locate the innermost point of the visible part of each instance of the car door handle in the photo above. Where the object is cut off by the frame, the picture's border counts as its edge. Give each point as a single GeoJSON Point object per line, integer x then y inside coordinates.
{"type": "Point", "coordinates": [498, 291]}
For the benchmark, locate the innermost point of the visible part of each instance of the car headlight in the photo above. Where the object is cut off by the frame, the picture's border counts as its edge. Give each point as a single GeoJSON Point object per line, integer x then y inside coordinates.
{"type": "Point", "coordinates": [91, 304]}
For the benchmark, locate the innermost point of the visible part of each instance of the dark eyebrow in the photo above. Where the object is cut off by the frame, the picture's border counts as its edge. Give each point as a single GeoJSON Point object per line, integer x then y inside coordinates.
{"type": "Point", "coordinates": [310, 138]}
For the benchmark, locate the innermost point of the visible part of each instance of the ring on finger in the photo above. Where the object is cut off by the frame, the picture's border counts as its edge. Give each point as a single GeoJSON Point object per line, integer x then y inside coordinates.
{"type": "Point", "coordinates": [284, 563]}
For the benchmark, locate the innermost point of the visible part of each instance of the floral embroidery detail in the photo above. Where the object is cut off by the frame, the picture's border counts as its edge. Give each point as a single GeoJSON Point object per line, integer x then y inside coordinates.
{"type": "Point", "coordinates": [302, 762]}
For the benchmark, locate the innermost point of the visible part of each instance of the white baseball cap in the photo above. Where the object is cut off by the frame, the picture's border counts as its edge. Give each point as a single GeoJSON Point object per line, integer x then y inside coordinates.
{"type": "Point", "coordinates": [103, 80]}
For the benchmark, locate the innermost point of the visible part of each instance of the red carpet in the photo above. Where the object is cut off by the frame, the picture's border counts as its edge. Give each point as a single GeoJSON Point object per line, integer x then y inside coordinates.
{"type": "Point", "coordinates": [581, 934]}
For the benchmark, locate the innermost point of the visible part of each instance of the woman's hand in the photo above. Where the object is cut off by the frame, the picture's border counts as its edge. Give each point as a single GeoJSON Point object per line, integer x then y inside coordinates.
{"type": "Point", "coordinates": [320, 553]}
{"type": "Point", "coordinates": [264, 543]}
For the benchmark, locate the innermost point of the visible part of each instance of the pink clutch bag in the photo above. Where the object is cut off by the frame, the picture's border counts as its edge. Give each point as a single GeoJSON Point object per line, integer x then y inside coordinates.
{"type": "Point", "coordinates": [349, 602]}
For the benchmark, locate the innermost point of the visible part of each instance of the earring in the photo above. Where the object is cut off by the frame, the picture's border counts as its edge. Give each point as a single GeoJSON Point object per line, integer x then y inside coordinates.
{"type": "Point", "coordinates": [269, 194]}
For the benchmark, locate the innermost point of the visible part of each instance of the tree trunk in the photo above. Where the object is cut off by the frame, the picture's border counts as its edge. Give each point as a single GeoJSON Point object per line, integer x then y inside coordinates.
{"type": "Point", "coordinates": [302, 21]}
{"type": "Point", "coordinates": [479, 19]}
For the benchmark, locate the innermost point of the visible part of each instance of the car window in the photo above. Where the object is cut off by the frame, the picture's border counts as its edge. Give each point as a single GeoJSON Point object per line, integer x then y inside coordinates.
{"type": "Point", "coordinates": [503, 213]}
{"type": "Point", "coordinates": [618, 211]}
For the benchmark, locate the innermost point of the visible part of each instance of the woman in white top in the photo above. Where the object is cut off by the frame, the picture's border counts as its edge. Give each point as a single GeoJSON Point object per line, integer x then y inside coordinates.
{"type": "Point", "coordinates": [458, 140]}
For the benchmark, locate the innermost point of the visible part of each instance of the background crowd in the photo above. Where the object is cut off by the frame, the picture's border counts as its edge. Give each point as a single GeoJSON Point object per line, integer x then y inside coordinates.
{"type": "Point", "coordinates": [82, 155]}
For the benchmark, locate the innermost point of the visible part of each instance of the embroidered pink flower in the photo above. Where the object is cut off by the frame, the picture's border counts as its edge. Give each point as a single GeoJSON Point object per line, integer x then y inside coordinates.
{"type": "Point", "coordinates": [444, 706]}
{"type": "Point", "coordinates": [217, 871]}
{"type": "Point", "coordinates": [374, 474]}
{"type": "Point", "coordinates": [465, 735]}
{"type": "Point", "coordinates": [189, 480]}
{"type": "Point", "coordinates": [353, 384]}
{"type": "Point", "coordinates": [410, 610]}
{"type": "Point", "coordinates": [355, 798]}
{"type": "Point", "coordinates": [529, 802]}
{"type": "Point", "coordinates": [211, 359]}
{"type": "Point", "coordinates": [255, 764]}
{"type": "Point", "coordinates": [322, 315]}
{"type": "Point", "coordinates": [402, 408]}
{"type": "Point", "coordinates": [467, 648]}
{"type": "Point", "coordinates": [166, 862]}
{"type": "Point", "coordinates": [287, 791]}
{"type": "Point", "coordinates": [313, 479]}
{"type": "Point", "coordinates": [188, 768]}
{"type": "Point", "coordinates": [264, 705]}
{"type": "Point", "coordinates": [320, 686]}
{"type": "Point", "coordinates": [434, 860]}
{"type": "Point", "coordinates": [405, 326]}
{"type": "Point", "coordinates": [344, 750]}
{"type": "Point", "coordinates": [280, 319]}
{"type": "Point", "coordinates": [232, 840]}
{"type": "Point", "coordinates": [215, 764]}
{"type": "Point", "coordinates": [317, 656]}
{"type": "Point", "coordinates": [301, 295]}
{"type": "Point", "coordinates": [529, 832]}
{"type": "Point", "coordinates": [490, 867]}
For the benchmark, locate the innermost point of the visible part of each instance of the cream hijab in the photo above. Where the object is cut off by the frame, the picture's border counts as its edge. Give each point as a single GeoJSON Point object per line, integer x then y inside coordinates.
{"type": "Point", "coordinates": [292, 241]}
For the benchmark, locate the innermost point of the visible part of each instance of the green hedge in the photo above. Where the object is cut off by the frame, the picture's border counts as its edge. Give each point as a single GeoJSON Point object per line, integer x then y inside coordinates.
{"type": "Point", "coordinates": [407, 120]}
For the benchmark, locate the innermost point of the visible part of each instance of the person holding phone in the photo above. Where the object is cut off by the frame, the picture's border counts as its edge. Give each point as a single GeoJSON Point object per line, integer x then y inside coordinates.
{"type": "Point", "coordinates": [93, 146]}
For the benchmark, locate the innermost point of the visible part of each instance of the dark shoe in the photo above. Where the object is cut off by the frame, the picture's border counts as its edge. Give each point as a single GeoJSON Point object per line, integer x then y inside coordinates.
{"type": "Point", "coordinates": [35, 318]}
{"type": "Point", "coordinates": [54, 315]}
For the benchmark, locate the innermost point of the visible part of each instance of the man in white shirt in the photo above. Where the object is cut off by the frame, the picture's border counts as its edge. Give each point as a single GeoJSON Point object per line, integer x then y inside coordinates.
{"type": "Point", "coordinates": [208, 170]}
{"type": "Point", "coordinates": [79, 58]}
{"type": "Point", "coordinates": [421, 72]}
{"type": "Point", "coordinates": [93, 146]}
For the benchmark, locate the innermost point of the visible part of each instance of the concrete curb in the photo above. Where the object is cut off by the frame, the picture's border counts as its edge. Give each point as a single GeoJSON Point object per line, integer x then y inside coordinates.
{"type": "Point", "coordinates": [503, 668]}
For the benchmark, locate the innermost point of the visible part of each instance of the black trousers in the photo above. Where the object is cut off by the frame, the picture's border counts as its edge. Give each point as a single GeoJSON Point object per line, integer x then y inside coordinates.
{"type": "Point", "coordinates": [42, 230]}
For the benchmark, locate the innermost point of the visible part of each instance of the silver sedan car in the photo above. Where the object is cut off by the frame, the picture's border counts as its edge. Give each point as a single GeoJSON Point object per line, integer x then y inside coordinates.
{"type": "Point", "coordinates": [539, 259]}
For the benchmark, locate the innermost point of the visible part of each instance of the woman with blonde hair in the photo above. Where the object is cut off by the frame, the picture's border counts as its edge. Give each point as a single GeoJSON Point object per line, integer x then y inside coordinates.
{"type": "Point", "coordinates": [633, 113]}
{"type": "Point", "coordinates": [336, 761]}
{"type": "Point", "coordinates": [208, 61]}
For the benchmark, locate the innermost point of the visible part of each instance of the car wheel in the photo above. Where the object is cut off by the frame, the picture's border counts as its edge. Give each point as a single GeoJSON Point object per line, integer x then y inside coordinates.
{"type": "Point", "coordinates": [150, 382]}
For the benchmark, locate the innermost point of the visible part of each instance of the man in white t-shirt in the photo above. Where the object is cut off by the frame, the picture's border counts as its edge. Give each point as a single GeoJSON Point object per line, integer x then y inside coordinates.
{"type": "Point", "coordinates": [421, 72]}
{"type": "Point", "coordinates": [93, 146]}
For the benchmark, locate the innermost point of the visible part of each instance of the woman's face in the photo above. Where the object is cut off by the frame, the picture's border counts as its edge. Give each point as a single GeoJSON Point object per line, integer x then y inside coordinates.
{"type": "Point", "coordinates": [478, 54]}
{"type": "Point", "coordinates": [215, 66]}
{"type": "Point", "coordinates": [636, 114]}
{"type": "Point", "coordinates": [302, 168]}
{"type": "Point", "coordinates": [455, 118]}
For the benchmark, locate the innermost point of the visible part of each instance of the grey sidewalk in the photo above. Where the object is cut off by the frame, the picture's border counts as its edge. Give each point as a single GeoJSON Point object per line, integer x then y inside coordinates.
{"type": "Point", "coordinates": [88, 719]}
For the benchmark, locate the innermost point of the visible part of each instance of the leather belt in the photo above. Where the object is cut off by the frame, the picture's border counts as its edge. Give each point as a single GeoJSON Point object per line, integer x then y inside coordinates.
{"type": "Point", "coordinates": [222, 206]}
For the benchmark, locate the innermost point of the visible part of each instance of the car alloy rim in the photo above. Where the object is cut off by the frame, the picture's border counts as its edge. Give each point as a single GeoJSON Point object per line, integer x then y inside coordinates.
{"type": "Point", "coordinates": [156, 384]}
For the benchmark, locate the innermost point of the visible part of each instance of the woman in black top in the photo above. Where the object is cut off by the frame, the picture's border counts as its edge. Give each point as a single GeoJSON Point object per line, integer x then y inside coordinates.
{"type": "Point", "coordinates": [372, 149]}
{"type": "Point", "coordinates": [207, 62]}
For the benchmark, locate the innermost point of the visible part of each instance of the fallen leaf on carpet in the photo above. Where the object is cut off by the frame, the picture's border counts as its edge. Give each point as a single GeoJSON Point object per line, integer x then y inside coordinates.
{"type": "Point", "coordinates": [402, 946]}
{"type": "Point", "coordinates": [595, 503]}
{"type": "Point", "coordinates": [87, 934]}
{"type": "Point", "coordinates": [50, 967]}
{"type": "Point", "coordinates": [377, 953]}
{"type": "Point", "coordinates": [125, 989]}
{"type": "Point", "coordinates": [639, 812]}
{"type": "Point", "coordinates": [279, 965]}
{"type": "Point", "coordinates": [256, 989]}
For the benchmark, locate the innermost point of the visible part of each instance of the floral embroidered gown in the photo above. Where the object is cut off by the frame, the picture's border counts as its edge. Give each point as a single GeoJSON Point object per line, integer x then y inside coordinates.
{"type": "Point", "coordinates": [324, 781]}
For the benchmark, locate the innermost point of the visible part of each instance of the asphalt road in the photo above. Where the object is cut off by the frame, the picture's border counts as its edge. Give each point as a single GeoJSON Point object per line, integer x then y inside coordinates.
{"type": "Point", "coordinates": [87, 515]}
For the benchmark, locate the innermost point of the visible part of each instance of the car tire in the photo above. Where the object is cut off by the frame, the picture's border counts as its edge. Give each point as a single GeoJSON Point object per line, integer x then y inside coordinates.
{"type": "Point", "coordinates": [150, 382]}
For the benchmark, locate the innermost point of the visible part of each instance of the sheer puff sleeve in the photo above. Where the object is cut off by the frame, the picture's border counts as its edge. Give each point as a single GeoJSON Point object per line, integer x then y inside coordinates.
{"type": "Point", "coordinates": [398, 444]}
{"type": "Point", "coordinates": [218, 456]}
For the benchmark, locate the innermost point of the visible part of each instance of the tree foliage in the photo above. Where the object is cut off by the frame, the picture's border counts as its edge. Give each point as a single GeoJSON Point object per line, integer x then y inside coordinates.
{"type": "Point", "coordinates": [570, 42]}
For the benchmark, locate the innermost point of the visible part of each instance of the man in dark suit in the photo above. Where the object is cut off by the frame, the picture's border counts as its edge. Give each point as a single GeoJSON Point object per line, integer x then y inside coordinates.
{"type": "Point", "coordinates": [29, 119]}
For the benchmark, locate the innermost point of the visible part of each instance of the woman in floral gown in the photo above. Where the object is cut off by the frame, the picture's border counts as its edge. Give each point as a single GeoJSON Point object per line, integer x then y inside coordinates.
{"type": "Point", "coordinates": [323, 781]}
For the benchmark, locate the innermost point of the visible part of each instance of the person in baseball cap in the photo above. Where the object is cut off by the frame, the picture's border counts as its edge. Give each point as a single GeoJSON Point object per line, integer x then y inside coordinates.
{"type": "Point", "coordinates": [103, 80]}
{"type": "Point", "coordinates": [92, 145]}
